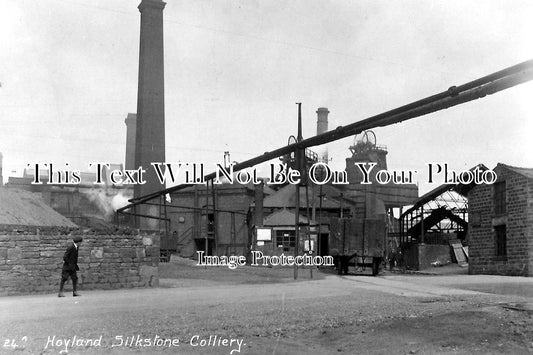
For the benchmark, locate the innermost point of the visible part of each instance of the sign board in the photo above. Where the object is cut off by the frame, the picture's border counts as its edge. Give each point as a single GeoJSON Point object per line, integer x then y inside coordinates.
{"type": "Point", "coordinates": [306, 245]}
{"type": "Point", "coordinates": [264, 234]}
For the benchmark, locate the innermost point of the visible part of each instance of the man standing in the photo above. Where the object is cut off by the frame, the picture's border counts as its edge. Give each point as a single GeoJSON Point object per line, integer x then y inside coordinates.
{"type": "Point", "coordinates": [70, 266]}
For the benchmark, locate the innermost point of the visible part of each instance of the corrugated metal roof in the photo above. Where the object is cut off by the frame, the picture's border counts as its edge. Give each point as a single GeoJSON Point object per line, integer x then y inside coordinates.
{"type": "Point", "coordinates": [24, 208]}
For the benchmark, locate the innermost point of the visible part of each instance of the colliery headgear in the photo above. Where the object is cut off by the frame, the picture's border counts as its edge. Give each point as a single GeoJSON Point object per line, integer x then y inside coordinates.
{"type": "Point", "coordinates": [77, 239]}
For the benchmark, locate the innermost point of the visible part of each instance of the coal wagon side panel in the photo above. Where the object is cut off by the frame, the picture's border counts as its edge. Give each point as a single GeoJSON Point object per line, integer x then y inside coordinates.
{"type": "Point", "coordinates": [375, 237]}
{"type": "Point", "coordinates": [346, 237]}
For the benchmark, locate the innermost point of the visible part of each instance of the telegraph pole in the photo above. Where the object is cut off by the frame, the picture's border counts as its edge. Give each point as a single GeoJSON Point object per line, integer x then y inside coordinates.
{"type": "Point", "coordinates": [298, 157]}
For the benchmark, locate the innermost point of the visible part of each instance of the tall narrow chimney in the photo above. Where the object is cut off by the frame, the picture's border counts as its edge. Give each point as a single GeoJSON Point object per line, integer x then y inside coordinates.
{"type": "Point", "coordinates": [150, 134]}
{"type": "Point", "coordinates": [322, 127]}
{"type": "Point", "coordinates": [131, 131]}
{"type": "Point", "coordinates": [1, 176]}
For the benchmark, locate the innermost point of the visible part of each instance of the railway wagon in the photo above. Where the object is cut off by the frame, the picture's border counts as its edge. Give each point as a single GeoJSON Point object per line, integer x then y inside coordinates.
{"type": "Point", "coordinates": [359, 243]}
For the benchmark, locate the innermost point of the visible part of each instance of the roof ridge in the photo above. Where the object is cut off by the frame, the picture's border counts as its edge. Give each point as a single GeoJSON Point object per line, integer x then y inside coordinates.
{"type": "Point", "coordinates": [526, 172]}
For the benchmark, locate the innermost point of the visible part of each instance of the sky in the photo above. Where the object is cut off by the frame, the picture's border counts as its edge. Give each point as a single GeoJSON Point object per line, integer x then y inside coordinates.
{"type": "Point", "coordinates": [235, 69]}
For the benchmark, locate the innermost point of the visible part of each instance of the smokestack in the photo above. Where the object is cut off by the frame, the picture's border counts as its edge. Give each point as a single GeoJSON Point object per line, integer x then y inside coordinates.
{"type": "Point", "coordinates": [322, 127]}
{"type": "Point", "coordinates": [150, 132]}
{"type": "Point", "coordinates": [1, 176]}
{"type": "Point", "coordinates": [131, 131]}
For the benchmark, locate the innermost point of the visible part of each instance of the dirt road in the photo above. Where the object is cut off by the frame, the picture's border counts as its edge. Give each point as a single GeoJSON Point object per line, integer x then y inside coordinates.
{"type": "Point", "coordinates": [353, 314]}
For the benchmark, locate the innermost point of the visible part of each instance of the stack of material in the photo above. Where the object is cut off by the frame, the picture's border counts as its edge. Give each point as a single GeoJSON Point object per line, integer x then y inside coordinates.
{"type": "Point", "coordinates": [461, 255]}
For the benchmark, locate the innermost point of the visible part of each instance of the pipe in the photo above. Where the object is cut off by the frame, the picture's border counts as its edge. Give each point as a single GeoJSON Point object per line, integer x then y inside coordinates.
{"type": "Point", "coordinates": [455, 95]}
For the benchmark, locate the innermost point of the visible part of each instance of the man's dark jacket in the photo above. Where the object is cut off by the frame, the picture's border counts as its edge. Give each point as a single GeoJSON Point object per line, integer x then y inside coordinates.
{"type": "Point", "coordinates": [71, 259]}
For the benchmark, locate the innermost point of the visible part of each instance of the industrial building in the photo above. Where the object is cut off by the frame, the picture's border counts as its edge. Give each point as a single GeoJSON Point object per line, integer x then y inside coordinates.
{"type": "Point", "coordinates": [214, 220]}
{"type": "Point", "coordinates": [436, 221]}
{"type": "Point", "coordinates": [224, 219]}
{"type": "Point", "coordinates": [501, 224]}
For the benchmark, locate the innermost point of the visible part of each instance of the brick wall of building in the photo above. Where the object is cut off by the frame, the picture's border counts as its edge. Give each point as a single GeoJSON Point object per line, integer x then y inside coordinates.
{"type": "Point", "coordinates": [529, 224]}
{"type": "Point", "coordinates": [31, 260]}
{"type": "Point", "coordinates": [517, 219]}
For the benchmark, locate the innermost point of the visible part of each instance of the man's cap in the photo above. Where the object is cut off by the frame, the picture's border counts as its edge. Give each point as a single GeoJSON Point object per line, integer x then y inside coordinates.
{"type": "Point", "coordinates": [77, 239]}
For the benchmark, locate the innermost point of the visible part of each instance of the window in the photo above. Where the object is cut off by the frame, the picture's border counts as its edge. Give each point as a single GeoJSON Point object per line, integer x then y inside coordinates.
{"type": "Point", "coordinates": [499, 198]}
{"type": "Point", "coordinates": [285, 239]}
{"type": "Point", "coordinates": [501, 240]}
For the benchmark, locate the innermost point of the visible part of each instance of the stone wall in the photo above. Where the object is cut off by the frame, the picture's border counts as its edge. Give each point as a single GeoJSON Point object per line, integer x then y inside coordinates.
{"type": "Point", "coordinates": [518, 220]}
{"type": "Point", "coordinates": [31, 260]}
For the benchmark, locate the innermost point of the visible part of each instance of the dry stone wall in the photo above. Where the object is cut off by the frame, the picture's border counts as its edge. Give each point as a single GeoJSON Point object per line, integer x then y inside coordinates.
{"type": "Point", "coordinates": [31, 259]}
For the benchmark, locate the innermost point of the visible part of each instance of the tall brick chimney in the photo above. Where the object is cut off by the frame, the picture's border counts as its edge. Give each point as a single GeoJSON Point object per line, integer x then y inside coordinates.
{"type": "Point", "coordinates": [150, 133]}
{"type": "Point", "coordinates": [1, 176]}
{"type": "Point", "coordinates": [322, 127]}
{"type": "Point", "coordinates": [131, 132]}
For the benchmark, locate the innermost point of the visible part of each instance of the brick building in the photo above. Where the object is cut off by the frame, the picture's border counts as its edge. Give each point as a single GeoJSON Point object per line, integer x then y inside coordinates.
{"type": "Point", "coordinates": [195, 220]}
{"type": "Point", "coordinates": [501, 224]}
{"type": "Point", "coordinates": [317, 207]}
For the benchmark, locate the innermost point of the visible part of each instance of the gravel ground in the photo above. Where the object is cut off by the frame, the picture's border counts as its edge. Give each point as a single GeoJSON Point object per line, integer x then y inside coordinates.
{"type": "Point", "coordinates": [268, 313]}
